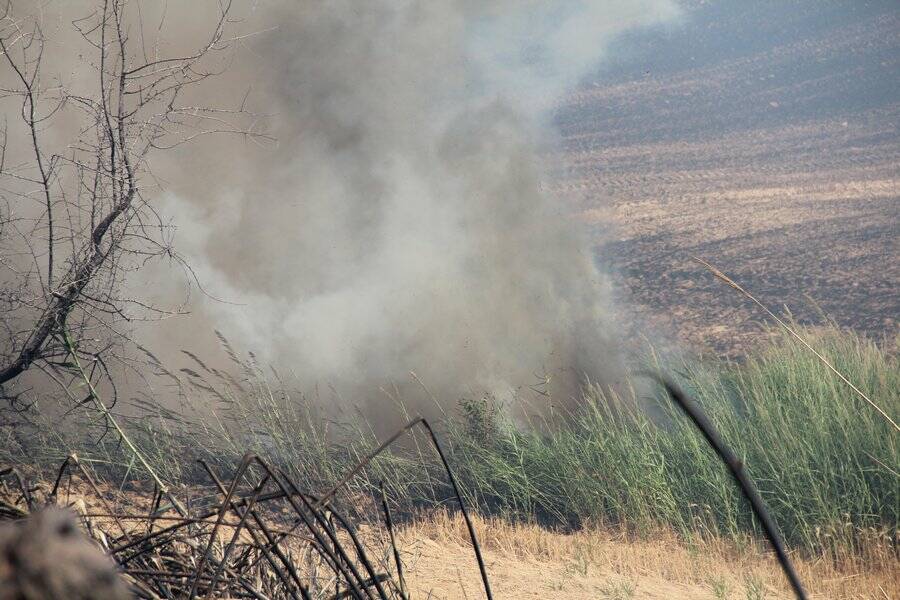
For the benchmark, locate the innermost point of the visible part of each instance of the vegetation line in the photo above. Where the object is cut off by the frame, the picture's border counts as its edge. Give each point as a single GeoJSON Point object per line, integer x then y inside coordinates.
{"type": "Point", "coordinates": [719, 274]}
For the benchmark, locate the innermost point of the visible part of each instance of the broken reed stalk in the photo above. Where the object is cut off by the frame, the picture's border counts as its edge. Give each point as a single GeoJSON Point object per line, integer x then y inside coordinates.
{"type": "Point", "coordinates": [323, 501]}
{"type": "Point", "coordinates": [179, 565]}
{"type": "Point", "coordinates": [200, 573]}
{"type": "Point", "coordinates": [720, 275]}
{"type": "Point", "coordinates": [223, 510]}
{"type": "Point", "coordinates": [389, 522]}
{"type": "Point", "coordinates": [269, 545]}
{"type": "Point", "coordinates": [736, 466]}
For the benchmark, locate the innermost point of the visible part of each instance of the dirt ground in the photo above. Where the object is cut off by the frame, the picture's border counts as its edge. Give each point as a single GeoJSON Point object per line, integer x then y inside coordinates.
{"type": "Point", "coordinates": [778, 163]}
{"type": "Point", "coordinates": [529, 562]}
{"type": "Point", "coordinates": [817, 237]}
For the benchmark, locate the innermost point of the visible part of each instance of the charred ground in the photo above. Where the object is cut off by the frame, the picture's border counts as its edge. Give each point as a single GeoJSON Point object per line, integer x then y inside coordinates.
{"type": "Point", "coordinates": [762, 138]}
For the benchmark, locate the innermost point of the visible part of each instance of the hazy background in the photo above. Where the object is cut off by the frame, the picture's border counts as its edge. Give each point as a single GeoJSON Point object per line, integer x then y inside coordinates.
{"type": "Point", "coordinates": [761, 136]}
{"type": "Point", "coordinates": [469, 181]}
{"type": "Point", "coordinates": [496, 195]}
{"type": "Point", "coordinates": [401, 223]}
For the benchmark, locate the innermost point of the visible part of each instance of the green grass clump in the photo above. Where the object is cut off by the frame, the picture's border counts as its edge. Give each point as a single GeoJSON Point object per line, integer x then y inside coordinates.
{"type": "Point", "coordinates": [825, 462]}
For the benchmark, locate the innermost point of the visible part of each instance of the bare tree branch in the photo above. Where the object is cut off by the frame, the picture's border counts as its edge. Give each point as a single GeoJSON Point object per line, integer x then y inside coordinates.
{"type": "Point", "coordinates": [62, 267]}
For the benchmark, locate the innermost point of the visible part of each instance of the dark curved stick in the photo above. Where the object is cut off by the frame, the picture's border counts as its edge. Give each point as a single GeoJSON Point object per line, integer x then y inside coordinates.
{"type": "Point", "coordinates": [462, 505]}
{"type": "Point", "coordinates": [59, 475]}
{"type": "Point", "coordinates": [223, 510]}
{"type": "Point", "coordinates": [266, 553]}
{"type": "Point", "coordinates": [390, 527]}
{"type": "Point", "coordinates": [736, 467]}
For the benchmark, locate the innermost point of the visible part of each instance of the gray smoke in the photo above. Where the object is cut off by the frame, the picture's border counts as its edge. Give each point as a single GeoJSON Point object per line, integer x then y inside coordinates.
{"type": "Point", "coordinates": [400, 224]}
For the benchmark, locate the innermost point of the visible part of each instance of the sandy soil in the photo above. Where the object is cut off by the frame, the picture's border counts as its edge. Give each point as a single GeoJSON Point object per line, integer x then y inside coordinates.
{"type": "Point", "coordinates": [528, 562]}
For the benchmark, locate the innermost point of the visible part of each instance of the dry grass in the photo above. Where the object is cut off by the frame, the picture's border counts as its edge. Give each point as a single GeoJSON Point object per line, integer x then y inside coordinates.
{"type": "Point", "coordinates": [823, 462]}
{"type": "Point", "coordinates": [527, 561]}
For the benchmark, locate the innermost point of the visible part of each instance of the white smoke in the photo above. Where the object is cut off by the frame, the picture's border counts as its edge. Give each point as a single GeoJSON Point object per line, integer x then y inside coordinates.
{"type": "Point", "coordinates": [400, 225]}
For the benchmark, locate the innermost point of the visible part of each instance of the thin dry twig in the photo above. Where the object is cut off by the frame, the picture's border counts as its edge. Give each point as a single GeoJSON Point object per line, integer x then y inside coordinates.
{"type": "Point", "coordinates": [720, 275]}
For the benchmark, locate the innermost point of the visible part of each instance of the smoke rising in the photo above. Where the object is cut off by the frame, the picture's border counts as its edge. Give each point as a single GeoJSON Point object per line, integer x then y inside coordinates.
{"type": "Point", "coordinates": [400, 225]}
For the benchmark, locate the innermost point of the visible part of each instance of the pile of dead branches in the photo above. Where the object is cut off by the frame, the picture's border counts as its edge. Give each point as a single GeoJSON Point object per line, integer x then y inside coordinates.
{"type": "Point", "coordinates": [250, 534]}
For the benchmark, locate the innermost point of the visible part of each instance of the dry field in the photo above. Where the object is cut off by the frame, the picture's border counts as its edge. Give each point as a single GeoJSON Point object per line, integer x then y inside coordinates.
{"type": "Point", "coordinates": [777, 161]}
{"type": "Point", "coordinates": [530, 562]}
{"type": "Point", "coordinates": [780, 164]}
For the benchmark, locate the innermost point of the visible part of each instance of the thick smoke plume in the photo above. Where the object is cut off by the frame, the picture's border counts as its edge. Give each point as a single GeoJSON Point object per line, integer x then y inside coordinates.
{"type": "Point", "coordinates": [400, 224]}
